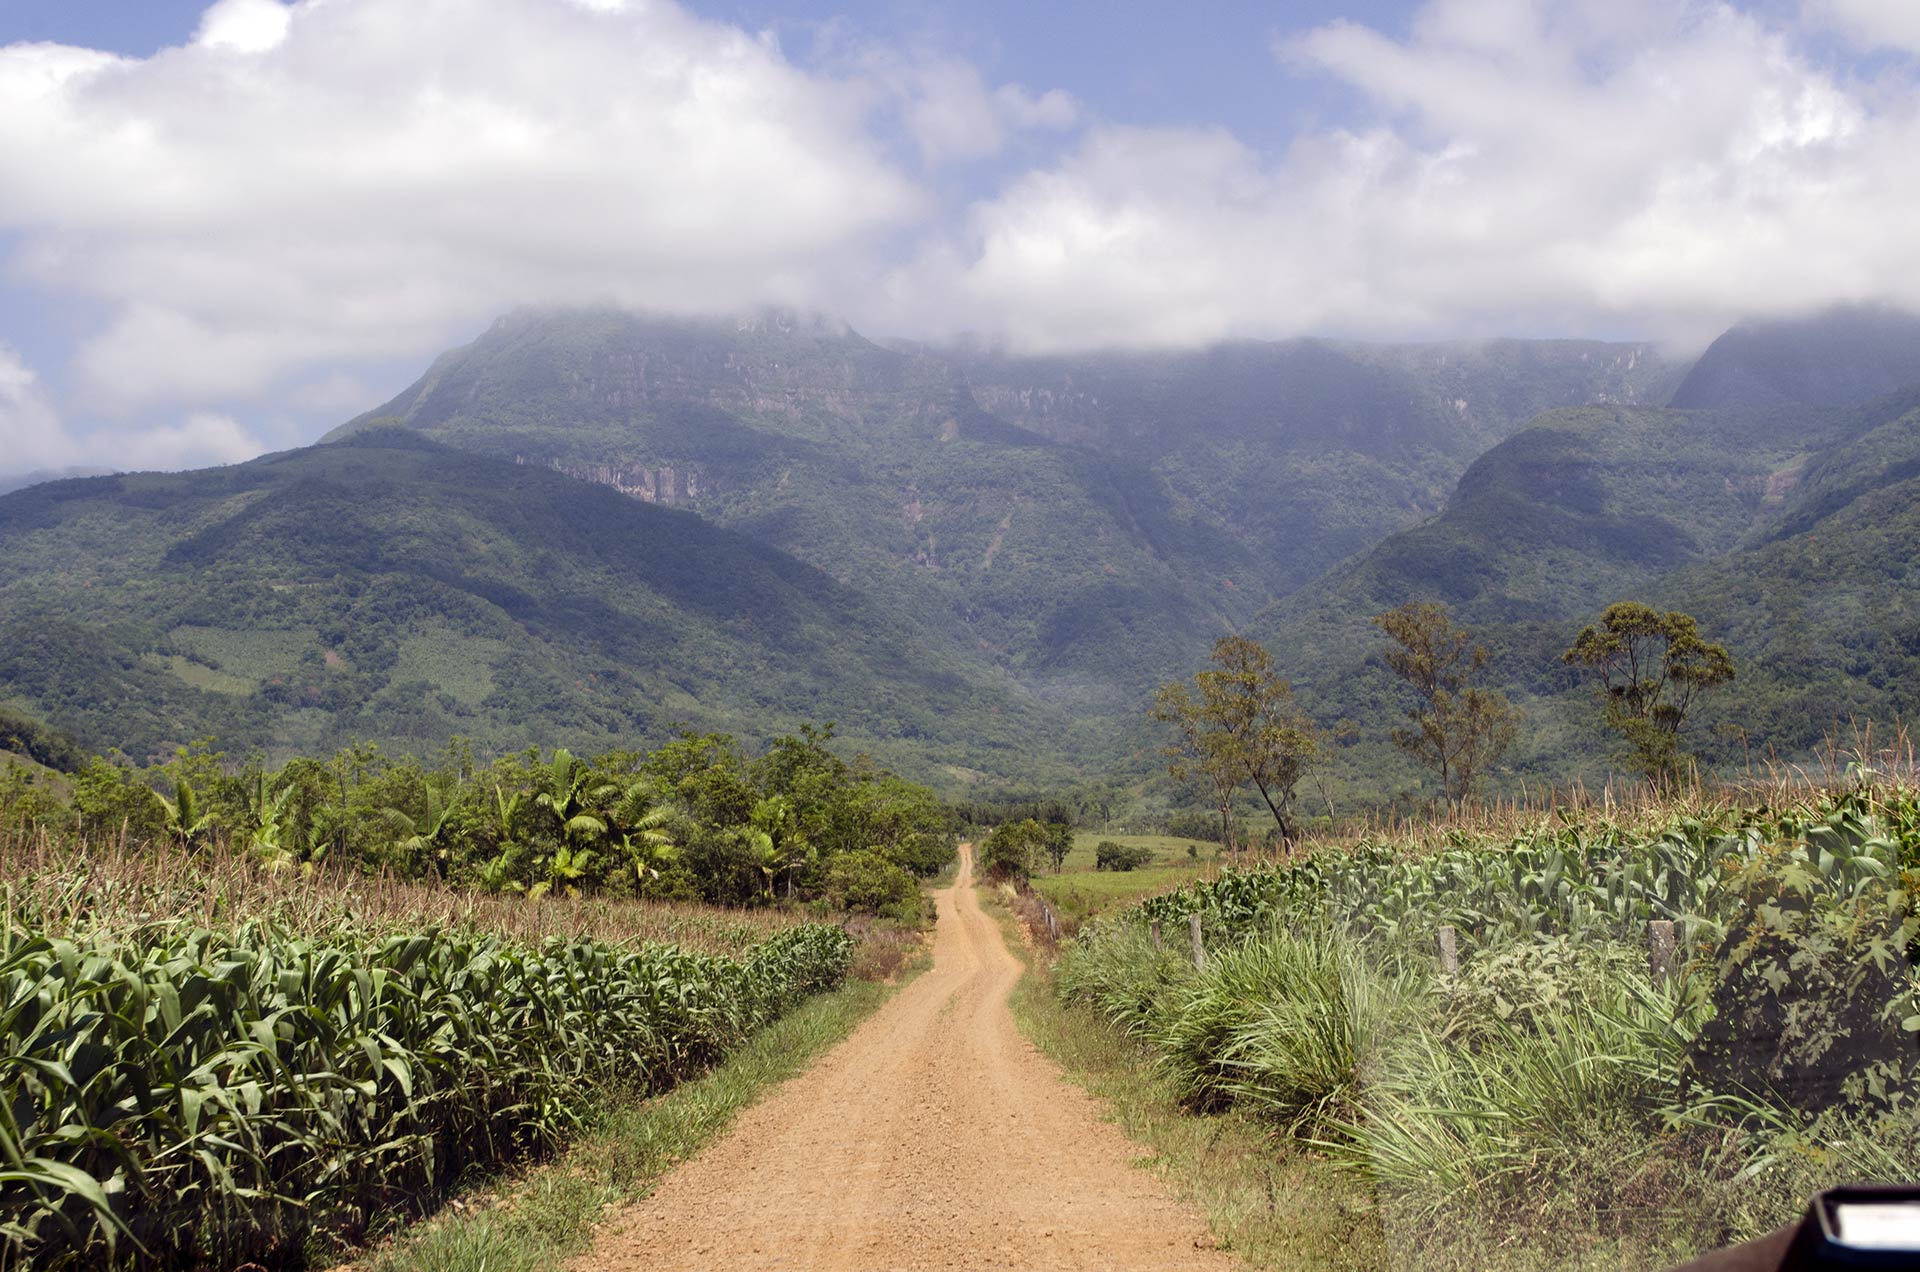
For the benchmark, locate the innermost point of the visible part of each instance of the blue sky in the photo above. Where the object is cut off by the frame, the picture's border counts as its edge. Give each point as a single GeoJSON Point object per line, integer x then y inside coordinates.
{"type": "Point", "coordinates": [226, 226]}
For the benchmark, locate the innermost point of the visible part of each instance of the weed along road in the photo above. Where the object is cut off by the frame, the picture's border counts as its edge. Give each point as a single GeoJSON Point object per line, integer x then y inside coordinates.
{"type": "Point", "coordinates": [934, 1137]}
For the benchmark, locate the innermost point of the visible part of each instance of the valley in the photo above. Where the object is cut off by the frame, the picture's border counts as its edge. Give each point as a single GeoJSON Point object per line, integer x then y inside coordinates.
{"type": "Point", "coordinates": [979, 565]}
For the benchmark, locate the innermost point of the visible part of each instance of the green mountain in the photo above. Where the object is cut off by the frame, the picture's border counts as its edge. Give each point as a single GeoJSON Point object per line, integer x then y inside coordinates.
{"type": "Point", "coordinates": [1846, 357]}
{"type": "Point", "coordinates": [1086, 525]}
{"type": "Point", "coordinates": [596, 525]}
{"type": "Point", "coordinates": [388, 587]}
{"type": "Point", "coordinates": [1822, 597]}
{"type": "Point", "coordinates": [1781, 525]}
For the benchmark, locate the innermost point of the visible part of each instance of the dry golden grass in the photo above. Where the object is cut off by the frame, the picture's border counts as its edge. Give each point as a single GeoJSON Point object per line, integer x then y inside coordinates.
{"type": "Point", "coordinates": [1627, 803]}
{"type": "Point", "coordinates": [119, 885]}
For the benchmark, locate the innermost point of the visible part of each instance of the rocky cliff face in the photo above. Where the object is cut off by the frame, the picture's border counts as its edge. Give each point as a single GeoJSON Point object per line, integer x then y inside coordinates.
{"type": "Point", "coordinates": [661, 484]}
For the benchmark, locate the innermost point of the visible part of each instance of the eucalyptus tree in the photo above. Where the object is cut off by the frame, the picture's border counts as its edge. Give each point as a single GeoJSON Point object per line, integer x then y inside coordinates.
{"type": "Point", "coordinates": [1242, 726]}
{"type": "Point", "coordinates": [1459, 729]}
{"type": "Point", "coordinates": [1650, 669]}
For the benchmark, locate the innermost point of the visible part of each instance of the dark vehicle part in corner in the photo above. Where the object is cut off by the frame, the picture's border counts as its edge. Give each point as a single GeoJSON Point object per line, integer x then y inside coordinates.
{"type": "Point", "coordinates": [1859, 1226]}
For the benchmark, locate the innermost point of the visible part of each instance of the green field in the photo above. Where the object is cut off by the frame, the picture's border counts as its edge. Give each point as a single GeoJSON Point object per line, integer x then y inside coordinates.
{"type": "Point", "coordinates": [1079, 891]}
{"type": "Point", "coordinates": [1478, 1020]}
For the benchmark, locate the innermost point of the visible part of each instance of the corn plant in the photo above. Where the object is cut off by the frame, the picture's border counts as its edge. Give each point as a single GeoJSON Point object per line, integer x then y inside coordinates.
{"type": "Point", "coordinates": [182, 1096]}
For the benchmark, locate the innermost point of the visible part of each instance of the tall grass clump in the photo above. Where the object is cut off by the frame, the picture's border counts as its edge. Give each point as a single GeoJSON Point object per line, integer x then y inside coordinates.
{"type": "Point", "coordinates": [1116, 970]}
{"type": "Point", "coordinates": [1483, 1106]}
{"type": "Point", "coordinates": [1301, 1056]}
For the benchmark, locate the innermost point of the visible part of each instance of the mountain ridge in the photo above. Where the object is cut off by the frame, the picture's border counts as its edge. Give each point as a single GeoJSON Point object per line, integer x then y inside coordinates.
{"type": "Point", "coordinates": [990, 553]}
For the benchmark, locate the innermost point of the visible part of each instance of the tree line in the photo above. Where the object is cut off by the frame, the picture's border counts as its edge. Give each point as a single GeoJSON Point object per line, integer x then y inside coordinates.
{"type": "Point", "coordinates": [694, 819]}
{"type": "Point", "coordinates": [1238, 723]}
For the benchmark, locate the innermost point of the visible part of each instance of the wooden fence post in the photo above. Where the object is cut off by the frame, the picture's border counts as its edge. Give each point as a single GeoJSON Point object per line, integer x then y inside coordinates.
{"type": "Point", "coordinates": [1153, 930]}
{"type": "Point", "coordinates": [1663, 951]}
{"type": "Point", "coordinates": [1449, 950]}
{"type": "Point", "coordinates": [1053, 924]}
{"type": "Point", "coordinates": [1199, 949]}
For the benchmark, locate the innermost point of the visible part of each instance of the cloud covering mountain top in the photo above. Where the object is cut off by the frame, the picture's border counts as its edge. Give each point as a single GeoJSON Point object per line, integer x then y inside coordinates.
{"type": "Point", "coordinates": [304, 187]}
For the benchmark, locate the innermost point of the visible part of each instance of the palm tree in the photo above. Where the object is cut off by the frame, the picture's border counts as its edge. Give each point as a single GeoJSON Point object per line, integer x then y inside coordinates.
{"type": "Point", "coordinates": [572, 792]}
{"type": "Point", "coordinates": [565, 867]}
{"type": "Point", "coordinates": [270, 827]}
{"type": "Point", "coordinates": [431, 835]}
{"type": "Point", "coordinates": [182, 819]}
{"type": "Point", "coordinates": [764, 852]}
{"type": "Point", "coordinates": [509, 812]}
{"type": "Point", "coordinates": [774, 841]}
{"type": "Point", "coordinates": [642, 817]}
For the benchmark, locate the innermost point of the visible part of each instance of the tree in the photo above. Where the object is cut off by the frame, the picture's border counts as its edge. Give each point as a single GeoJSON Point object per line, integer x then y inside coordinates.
{"type": "Point", "coordinates": [1059, 842]}
{"type": "Point", "coordinates": [773, 838]}
{"type": "Point", "coordinates": [642, 819]}
{"type": "Point", "coordinates": [182, 817]}
{"type": "Point", "coordinates": [1013, 848]}
{"type": "Point", "coordinates": [1458, 729]}
{"type": "Point", "coordinates": [863, 880]}
{"type": "Point", "coordinates": [1243, 727]}
{"type": "Point", "coordinates": [571, 792]}
{"type": "Point", "coordinates": [1199, 752]}
{"type": "Point", "coordinates": [430, 836]}
{"type": "Point", "coordinates": [1651, 668]}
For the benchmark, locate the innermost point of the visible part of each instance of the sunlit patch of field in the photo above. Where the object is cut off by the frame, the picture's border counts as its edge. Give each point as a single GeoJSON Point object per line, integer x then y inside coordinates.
{"type": "Point", "coordinates": [1080, 891]}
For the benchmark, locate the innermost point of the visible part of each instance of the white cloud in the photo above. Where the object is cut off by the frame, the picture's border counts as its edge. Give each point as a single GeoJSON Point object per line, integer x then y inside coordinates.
{"type": "Point", "coordinates": [336, 179]}
{"type": "Point", "coordinates": [245, 26]}
{"type": "Point", "coordinates": [1873, 23]}
{"type": "Point", "coordinates": [204, 437]}
{"type": "Point", "coordinates": [951, 113]}
{"type": "Point", "coordinates": [320, 184]}
{"type": "Point", "coordinates": [33, 437]}
{"type": "Point", "coordinates": [1532, 168]}
{"type": "Point", "coordinates": [30, 433]}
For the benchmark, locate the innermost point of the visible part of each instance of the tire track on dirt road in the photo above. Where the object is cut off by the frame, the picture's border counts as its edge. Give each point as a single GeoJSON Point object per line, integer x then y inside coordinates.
{"type": "Point", "coordinates": [934, 1137]}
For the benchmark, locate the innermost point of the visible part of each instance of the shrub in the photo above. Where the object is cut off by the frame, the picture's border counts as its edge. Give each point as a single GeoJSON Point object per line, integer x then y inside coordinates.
{"type": "Point", "coordinates": [1814, 1002]}
{"type": "Point", "coordinates": [868, 882]}
{"type": "Point", "coordinates": [1108, 855]}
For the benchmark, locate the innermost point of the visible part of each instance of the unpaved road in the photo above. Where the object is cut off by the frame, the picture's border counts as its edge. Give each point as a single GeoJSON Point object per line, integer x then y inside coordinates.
{"type": "Point", "coordinates": [934, 1137]}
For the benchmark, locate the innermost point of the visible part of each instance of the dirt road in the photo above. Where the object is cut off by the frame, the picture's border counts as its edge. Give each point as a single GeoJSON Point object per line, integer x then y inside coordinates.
{"type": "Point", "coordinates": [934, 1137]}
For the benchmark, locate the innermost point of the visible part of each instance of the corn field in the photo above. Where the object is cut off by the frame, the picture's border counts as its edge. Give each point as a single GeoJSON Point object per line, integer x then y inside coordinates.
{"type": "Point", "coordinates": [1538, 1090]}
{"type": "Point", "coordinates": [174, 1094]}
{"type": "Point", "coordinates": [1598, 879]}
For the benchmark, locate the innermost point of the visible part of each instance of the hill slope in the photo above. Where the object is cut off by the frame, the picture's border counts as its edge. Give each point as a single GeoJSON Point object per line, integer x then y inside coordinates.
{"type": "Point", "coordinates": [1845, 357]}
{"type": "Point", "coordinates": [1087, 524]}
{"type": "Point", "coordinates": [390, 588]}
{"type": "Point", "coordinates": [1782, 530]}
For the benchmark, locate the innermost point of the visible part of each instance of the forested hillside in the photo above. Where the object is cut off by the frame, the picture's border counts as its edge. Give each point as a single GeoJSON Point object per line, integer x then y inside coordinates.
{"type": "Point", "coordinates": [391, 588]}
{"type": "Point", "coordinates": [1778, 524]}
{"type": "Point", "coordinates": [981, 565]}
{"type": "Point", "coordinates": [1084, 523]}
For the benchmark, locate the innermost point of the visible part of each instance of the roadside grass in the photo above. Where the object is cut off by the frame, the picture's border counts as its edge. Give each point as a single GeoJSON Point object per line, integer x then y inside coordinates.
{"type": "Point", "coordinates": [1078, 891]}
{"type": "Point", "coordinates": [1278, 1206]}
{"type": "Point", "coordinates": [541, 1217]}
